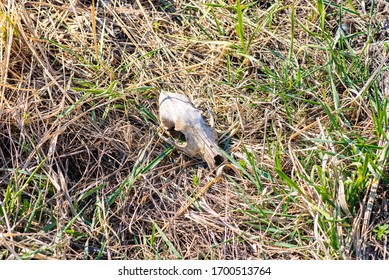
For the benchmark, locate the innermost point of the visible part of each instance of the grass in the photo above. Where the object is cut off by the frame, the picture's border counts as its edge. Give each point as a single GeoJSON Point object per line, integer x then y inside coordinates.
{"type": "Point", "coordinates": [299, 93]}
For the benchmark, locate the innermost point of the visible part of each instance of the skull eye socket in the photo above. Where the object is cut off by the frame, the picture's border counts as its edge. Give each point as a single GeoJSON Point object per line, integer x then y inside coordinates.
{"type": "Point", "coordinates": [177, 136]}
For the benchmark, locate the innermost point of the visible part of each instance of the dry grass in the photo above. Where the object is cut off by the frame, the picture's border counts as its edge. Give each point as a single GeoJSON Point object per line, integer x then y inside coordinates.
{"type": "Point", "coordinates": [301, 107]}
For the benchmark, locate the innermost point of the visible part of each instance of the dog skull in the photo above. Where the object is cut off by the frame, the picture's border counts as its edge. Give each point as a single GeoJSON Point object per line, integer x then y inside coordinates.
{"type": "Point", "coordinates": [178, 115]}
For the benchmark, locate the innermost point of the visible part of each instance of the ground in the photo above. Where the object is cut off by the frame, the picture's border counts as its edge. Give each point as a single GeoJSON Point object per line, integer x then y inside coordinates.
{"type": "Point", "coordinates": [299, 93]}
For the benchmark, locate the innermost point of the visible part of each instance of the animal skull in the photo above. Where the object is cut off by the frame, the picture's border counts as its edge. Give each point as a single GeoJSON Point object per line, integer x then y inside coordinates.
{"type": "Point", "coordinates": [179, 117]}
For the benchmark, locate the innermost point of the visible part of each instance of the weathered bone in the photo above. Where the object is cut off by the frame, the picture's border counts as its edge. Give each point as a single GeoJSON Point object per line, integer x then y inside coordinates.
{"type": "Point", "coordinates": [178, 115]}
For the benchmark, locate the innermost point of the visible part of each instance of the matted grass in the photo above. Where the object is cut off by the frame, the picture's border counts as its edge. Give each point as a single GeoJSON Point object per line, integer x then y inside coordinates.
{"type": "Point", "coordinates": [299, 90]}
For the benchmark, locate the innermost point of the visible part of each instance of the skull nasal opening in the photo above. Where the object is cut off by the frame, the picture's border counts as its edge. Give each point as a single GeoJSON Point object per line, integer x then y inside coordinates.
{"type": "Point", "coordinates": [218, 160]}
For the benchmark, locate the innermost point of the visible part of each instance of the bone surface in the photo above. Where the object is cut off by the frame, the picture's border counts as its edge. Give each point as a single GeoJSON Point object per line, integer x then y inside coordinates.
{"type": "Point", "coordinates": [178, 116]}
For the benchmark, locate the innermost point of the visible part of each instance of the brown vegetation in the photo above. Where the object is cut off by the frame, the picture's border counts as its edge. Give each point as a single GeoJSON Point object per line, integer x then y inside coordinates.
{"type": "Point", "coordinates": [299, 104]}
